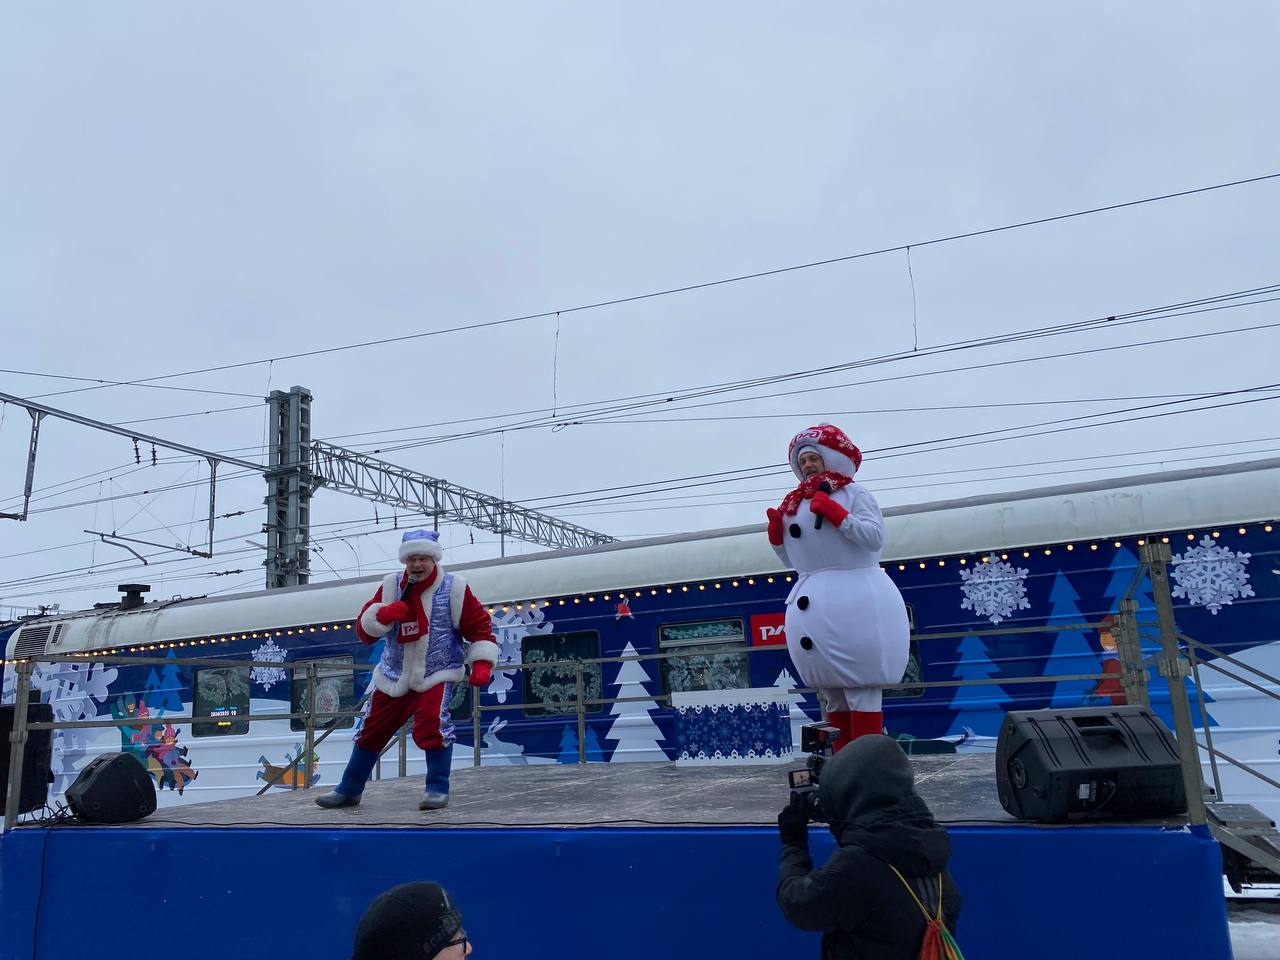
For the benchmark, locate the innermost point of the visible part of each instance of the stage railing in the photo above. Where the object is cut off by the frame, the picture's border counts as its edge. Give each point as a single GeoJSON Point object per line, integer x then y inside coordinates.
{"type": "Point", "coordinates": [319, 726]}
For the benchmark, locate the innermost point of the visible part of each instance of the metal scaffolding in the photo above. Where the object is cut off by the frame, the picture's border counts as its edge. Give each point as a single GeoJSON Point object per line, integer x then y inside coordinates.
{"type": "Point", "coordinates": [373, 479]}
{"type": "Point", "coordinates": [299, 465]}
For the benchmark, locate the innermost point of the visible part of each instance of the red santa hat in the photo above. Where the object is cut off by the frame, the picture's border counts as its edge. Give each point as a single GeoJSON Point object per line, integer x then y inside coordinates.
{"type": "Point", "coordinates": [839, 455]}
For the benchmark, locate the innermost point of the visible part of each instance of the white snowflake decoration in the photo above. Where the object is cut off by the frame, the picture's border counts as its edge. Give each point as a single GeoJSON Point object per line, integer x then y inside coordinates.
{"type": "Point", "coordinates": [994, 589]}
{"type": "Point", "coordinates": [268, 675]}
{"type": "Point", "coordinates": [1211, 575]}
{"type": "Point", "coordinates": [510, 627]}
{"type": "Point", "coordinates": [74, 690]}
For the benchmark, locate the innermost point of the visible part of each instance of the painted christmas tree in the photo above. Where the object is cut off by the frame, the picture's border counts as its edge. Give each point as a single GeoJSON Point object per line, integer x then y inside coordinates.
{"type": "Point", "coordinates": [163, 691]}
{"type": "Point", "coordinates": [633, 728]}
{"type": "Point", "coordinates": [798, 717]}
{"type": "Point", "coordinates": [569, 746]}
{"type": "Point", "coordinates": [594, 752]}
{"type": "Point", "coordinates": [1072, 653]}
{"type": "Point", "coordinates": [979, 709]}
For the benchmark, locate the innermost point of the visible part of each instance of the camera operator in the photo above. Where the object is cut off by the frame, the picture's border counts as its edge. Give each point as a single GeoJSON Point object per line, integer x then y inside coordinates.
{"type": "Point", "coordinates": [871, 897]}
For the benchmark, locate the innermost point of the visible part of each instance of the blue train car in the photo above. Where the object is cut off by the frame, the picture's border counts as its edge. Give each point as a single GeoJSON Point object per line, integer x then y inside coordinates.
{"type": "Point", "coordinates": [1056, 556]}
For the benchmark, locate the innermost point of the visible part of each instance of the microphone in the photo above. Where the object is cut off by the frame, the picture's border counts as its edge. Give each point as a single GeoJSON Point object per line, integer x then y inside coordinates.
{"type": "Point", "coordinates": [825, 488]}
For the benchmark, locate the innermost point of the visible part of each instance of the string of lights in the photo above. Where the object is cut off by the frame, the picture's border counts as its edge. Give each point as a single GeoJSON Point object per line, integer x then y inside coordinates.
{"type": "Point", "coordinates": [618, 595]}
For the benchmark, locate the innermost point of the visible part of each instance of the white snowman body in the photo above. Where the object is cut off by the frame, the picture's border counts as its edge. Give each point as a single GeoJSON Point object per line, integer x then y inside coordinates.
{"type": "Point", "coordinates": [846, 622]}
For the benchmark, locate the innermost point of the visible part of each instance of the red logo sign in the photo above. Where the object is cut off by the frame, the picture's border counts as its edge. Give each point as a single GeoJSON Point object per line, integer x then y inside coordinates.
{"type": "Point", "coordinates": [767, 630]}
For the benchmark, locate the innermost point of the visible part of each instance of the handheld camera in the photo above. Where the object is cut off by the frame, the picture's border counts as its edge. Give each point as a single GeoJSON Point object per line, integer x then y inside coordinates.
{"type": "Point", "coordinates": [818, 741]}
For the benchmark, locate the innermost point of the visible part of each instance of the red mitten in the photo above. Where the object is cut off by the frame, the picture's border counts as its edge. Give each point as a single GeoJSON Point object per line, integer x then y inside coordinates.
{"type": "Point", "coordinates": [828, 509]}
{"type": "Point", "coordinates": [392, 612]}
{"type": "Point", "coordinates": [775, 526]}
{"type": "Point", "coordinates": [481, 673]}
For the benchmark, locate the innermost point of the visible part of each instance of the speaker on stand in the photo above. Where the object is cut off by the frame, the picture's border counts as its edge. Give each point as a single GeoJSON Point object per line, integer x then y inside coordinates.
{"type": "Point", "coordinates": [37, 757]}
{"type": "Point", "coordinates": [1092, 763]}
{"type": "Point", "coordinates": [114, 788]}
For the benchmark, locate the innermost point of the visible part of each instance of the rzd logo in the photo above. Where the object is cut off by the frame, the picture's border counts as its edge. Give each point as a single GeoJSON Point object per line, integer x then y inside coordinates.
{"type": "Point", "coordinates": [767, 630]}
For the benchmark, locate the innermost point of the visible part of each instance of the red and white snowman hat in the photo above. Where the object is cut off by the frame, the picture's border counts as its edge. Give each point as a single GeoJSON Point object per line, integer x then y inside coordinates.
{"type": "Point", "coordinates": [838, 453]}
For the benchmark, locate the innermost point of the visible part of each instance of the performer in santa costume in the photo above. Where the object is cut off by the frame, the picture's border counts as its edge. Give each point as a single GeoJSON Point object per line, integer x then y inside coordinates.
{"type": "Point", "coordinates": [424, 614]}
{"type": "Point", "coordinates": [846, 623]}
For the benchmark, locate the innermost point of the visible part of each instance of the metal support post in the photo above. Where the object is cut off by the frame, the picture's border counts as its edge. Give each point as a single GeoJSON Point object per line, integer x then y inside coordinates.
{"type": "Point", "coordinates": [475, 730]}
{"type": "Point", "coordinates": [289, 486]}
{"type": "Point", "coordinates": [1133, 675]}
{"type": "Point", "coordinates": [404, 749]}
{"type": "Point", "coordinates": [1173, 667]}
{"type": "Point", "coordinates": [1208, 733]}
{"type": "Point", "coordinates": [309, 741]}
{"type": "Point", "coordinates": [17, 744]}
{"type": "Point", "coordinates": [32, 445]}
{"type": "Point", "coordinates": [582, 716]}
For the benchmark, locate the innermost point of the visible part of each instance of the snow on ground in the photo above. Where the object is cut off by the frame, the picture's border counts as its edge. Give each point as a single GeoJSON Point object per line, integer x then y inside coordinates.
{"type": "Point", "coordinates": [1255, 930]}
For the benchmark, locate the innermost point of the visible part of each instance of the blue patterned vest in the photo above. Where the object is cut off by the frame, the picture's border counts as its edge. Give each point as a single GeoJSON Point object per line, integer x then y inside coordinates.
{"type": "Point", "coordinates": [444, 643]}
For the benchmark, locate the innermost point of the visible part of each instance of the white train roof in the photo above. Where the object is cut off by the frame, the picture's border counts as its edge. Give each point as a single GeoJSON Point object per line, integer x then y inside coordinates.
{"type": "Point", "coordinates": [1177, 500]}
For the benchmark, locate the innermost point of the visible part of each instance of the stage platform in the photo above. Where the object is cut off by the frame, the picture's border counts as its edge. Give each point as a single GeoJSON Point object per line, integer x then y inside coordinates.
{"type": "Point", "coordinates": [625, 860]}
{"type": "Point", "coordinates": [956, 787]}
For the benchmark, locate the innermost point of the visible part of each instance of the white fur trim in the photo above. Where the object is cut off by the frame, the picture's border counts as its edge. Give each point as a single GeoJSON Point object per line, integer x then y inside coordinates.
{"type": "Point", "coordinates": [392, 688]}
{"type": "Point", "coordinates": [420, 548]}
{"type": "Point", "coordinates": [369, 622]}
{"type": "Point", "coordinates": [456, 597]}
{"type": "Point", "coordinates": [833, 460]}
{"type": "Point", "coordinates": [483, 650]}
{"type": "Point", "coordinates": [456, 675]}
{"type": "Point", "coordinates": [413, 674]}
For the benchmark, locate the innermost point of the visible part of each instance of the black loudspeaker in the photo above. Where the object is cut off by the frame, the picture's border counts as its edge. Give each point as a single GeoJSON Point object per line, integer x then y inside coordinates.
{"type": "Point", "coordinates": [1088, 764]}
{"type": "Point", "coordinates": [114, 788]}
{"type": "Point", "coordinates": [36, 759]}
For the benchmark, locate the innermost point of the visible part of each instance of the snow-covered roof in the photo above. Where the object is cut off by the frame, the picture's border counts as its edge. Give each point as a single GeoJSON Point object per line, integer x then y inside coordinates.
{"type": "Point", "coordinates": [1172, 501]}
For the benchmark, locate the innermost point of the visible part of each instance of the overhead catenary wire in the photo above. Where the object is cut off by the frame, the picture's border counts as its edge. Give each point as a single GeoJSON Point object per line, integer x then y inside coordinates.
{"type": "Point", "coordinates": [118, 383]}
{"type": "Point", "coordinates": [880, 489]}
{"type": "Point", "coordinates": [619, 407]}
{"type": "Point", "coordinates": [691, 287]}
{"type": "Point", "coordinates": [929, 443]}
{"type": "Point", "coordinates": [780, 470]}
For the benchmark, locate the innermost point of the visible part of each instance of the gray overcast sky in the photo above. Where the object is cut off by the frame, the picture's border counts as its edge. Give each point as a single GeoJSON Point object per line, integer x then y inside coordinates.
{"type": "Point", "coordinates": [189, 185]}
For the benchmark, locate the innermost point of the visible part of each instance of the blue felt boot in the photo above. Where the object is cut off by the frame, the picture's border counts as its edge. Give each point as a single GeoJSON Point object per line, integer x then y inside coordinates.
{"type": "Point", "coordinates": [347, 792]}
{"type": "Point", "coordinates": [439, 762]}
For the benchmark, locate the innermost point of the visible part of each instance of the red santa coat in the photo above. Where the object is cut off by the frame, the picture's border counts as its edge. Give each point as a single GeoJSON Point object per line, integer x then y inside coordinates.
{"type": "Point", "coordinates": [470, 619]}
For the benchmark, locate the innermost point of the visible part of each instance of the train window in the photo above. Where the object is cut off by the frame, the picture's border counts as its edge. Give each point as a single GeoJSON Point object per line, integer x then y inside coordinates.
{"type": "Point", "coordinates": [335, 690]}
{"type": "Point", "coordinates": [553, 689]}
{"type": "Point", "coordinates": [221, 692]}
{"type": "Point", "coordinates": [460, 702]}
{"type": "Point", "coordinates": [913, 674]}
{"type": "Point", "coordinates": [714, 656]}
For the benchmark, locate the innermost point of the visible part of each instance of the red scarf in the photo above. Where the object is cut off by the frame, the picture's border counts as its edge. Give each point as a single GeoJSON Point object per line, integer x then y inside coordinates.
{"type": "Point", "coordinates": [808, 487]}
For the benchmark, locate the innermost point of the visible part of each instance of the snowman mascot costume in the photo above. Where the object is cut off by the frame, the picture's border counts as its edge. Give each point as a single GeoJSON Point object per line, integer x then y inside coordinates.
{"type": "Point", "coordinates": [423, 614]}
{"type": "Point", "coordinates": [846, 622]}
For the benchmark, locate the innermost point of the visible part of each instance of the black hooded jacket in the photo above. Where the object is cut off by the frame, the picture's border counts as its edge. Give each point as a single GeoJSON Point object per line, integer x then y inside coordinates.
{"type": "Point", "coordinates": [863, 910]}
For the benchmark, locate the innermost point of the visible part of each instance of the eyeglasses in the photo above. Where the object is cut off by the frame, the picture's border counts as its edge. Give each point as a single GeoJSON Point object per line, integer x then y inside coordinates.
{"type": "Point", "coordinates": [462, 942]}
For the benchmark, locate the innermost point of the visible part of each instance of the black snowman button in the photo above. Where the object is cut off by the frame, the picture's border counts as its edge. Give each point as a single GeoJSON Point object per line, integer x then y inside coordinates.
{"type": "Point", "coordinates": [803, 603]}
{"type": "Point", "coordinates": [806, 643]}
{"type": "Point", "coordinates": [795, 530]}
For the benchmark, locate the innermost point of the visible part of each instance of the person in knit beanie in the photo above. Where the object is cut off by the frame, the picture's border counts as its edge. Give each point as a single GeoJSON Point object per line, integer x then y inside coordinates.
{"type": "Point", "coordinates": [846, 622]}
{"type": "Point", "coordinates": [414, 921]}
{"type": "Point", "coordinates": [424, 615]}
